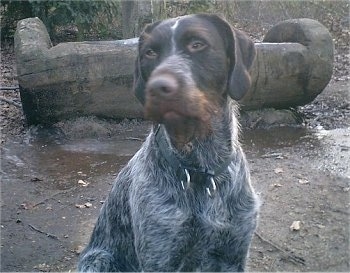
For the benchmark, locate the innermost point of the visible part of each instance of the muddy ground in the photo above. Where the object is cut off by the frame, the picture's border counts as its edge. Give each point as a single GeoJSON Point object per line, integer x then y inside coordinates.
{"type": "Point", "coordinates": [54, 181]}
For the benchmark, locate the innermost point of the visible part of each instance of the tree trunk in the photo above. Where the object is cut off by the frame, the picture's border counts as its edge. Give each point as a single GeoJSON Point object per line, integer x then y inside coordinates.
{"type": "Point", "coordinates": [136, 14]}
{"type": "Point", "coordinates": [129, 19]}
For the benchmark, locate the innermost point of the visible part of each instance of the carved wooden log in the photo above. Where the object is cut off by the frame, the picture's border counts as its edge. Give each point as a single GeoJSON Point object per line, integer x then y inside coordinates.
{"type": "Point", "coordinates": [294, 64]}
{"type": "Point", "coordinates": [73, 79]}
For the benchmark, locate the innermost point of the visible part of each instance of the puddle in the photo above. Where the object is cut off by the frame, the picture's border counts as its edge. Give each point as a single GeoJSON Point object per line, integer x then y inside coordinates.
{"type": "Point", "coordinates": [115, 147]}
{"type": "Point", "coordinates": [52, 156]}
{"type": "Point", "coordinates": [55, 160]}
{"type": "Point", "coordinates": [59, 162]}
{"type": "Point", "coordinates": [328, 150]}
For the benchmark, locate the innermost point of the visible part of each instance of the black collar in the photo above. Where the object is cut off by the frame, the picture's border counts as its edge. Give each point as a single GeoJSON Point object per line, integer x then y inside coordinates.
{"type": "Point", "coordinates": [185, 172]}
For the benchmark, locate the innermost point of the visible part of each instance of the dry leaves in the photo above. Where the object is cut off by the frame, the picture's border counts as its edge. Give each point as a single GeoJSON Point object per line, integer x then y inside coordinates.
{"type": "Point", "coordinates": [295, 226]}
{"type": "Point", "coordinates": [303, 181]}
{"type": "Point", "coordinates": [83, 183]}
{"type": "Point", "coordinates": [278, 170]}
{"type": "Point", "coordinates": [81, 206]}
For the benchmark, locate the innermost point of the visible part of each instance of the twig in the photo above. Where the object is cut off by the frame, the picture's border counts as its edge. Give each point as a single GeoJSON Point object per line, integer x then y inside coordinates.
{"type": "Point", "coordinates": [43, 232]}
{"type": "Point", "coordinates": [255, 123]}
{"type": "Point", "coordinates": [53, 195]}
{"type": "Point", "coordinates": [133, 138]}
{"type": "Point", "coordinates": [293, 258]}
{"type": "Point", "coordinates": [11, 102]}
{"type": "Point", "coordinates": [270, 155]}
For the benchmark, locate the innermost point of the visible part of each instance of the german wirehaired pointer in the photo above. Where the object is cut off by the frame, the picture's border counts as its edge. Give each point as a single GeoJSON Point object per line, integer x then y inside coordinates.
{"type": "Point", "coordinates": [184, 201]}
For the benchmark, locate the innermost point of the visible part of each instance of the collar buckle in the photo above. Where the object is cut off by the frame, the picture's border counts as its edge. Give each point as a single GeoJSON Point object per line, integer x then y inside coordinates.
{"type": "Point", "coordinates": [211, 192]}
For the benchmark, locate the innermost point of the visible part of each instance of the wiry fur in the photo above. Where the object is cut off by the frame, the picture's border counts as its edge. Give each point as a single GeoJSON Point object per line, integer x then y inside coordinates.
{"type": "Point", "coordinates": [150, 223]}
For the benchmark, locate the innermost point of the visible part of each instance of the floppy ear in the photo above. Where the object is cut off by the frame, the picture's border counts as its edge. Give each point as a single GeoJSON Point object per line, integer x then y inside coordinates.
{"type": "Point", "coordinates": [241, 61]}
{"type": "Point", "coordinates": [139, 81]}
{"type": "Point", "coordinates": [241, 52]}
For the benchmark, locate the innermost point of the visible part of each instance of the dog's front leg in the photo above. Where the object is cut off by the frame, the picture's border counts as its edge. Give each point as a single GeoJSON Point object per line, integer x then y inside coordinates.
{"type": "Point", "coordinates": [111, 247]}
{"type": "Point", "coordinates": [161, 229]}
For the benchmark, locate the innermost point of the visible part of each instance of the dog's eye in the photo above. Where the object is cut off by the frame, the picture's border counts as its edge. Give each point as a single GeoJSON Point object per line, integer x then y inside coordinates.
{"type": "Point", "coordinates": [196, 46]}
{"type": "Point", "coordinates": [150, 53]}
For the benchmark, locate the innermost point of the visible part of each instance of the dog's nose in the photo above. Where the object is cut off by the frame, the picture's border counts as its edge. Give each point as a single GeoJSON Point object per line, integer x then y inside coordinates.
{"type": "Point", "coordinates": [163, 86]}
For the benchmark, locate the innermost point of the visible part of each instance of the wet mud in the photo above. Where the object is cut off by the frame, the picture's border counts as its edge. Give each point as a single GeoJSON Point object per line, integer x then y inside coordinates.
{"type": "Point", "coordinates": [54, 183]}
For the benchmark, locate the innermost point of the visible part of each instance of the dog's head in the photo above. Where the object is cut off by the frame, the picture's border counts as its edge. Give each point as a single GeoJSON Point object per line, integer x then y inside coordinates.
{"type": "Point", "coordinates": [187, 66]}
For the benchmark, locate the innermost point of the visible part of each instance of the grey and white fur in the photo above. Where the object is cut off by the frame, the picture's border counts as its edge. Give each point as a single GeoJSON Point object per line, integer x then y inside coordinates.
{"type": "Point", "coordinates": [151, 221]}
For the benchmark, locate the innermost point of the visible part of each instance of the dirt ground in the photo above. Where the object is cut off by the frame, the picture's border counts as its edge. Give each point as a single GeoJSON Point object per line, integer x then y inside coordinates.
{"type": "Point", "coordinates": [54, 181]}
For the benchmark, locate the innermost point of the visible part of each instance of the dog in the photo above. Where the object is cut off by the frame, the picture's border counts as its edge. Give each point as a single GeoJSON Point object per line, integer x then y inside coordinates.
{"type": "Point", "coordinates": [184, 202]}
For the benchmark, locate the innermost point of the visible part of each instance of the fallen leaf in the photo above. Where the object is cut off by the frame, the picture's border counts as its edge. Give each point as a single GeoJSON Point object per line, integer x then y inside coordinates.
{"type": "Point", "coordinates": [79, 249]}
{"type": "Point", "coordinates": [81, 173]}
{"type": "Point", "coordinates": [42, 267]}
{"type": "Point", "coordinates": [295, 226]}
{"type": "Point", "coordinates": [277, 185]}
{"type": "Point", "coordinates": [26, 205]}
{"type": "Point", "coordinates": [303, 181]}
{"type": "Point", "coordinates": [278, 170]}
{"type": "Point", "coordinates": [83, 183]}
{"type": "Point", "coordinates": [88, 205]}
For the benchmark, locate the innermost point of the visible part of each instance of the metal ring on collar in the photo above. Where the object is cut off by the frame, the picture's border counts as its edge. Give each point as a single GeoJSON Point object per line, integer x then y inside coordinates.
{"type": "Point", "coordinates": [188, 178]}
{"type": "Point", "coordinates": [213, 184]}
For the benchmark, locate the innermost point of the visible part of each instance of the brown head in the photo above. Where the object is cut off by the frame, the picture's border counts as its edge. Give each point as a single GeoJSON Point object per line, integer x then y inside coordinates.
{"type": "Point", "coordinates": [186, 69]}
